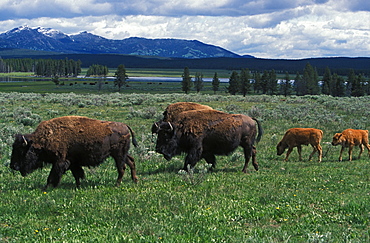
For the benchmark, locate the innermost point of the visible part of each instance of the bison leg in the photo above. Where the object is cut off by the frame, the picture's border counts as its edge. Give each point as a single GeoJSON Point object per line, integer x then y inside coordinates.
{"type": "Point", "coordinates": [350, 148]}
{"type": "Point", "coordinates": [121, 167]}
{"type": "Point", "coordinates": [361, 150]}
{"type": "Point", "coordinates": [254, 161]}
{"type": "Point", "coordinates": [249, 151]}
{"type": "Point", "coordinates": [193, 156]}
{"type": "Point", "coordinates": [290, 149]}
{"type": "Point", "coordinates": [57, 170]}
{"type": "Point", "coordinates": [368, 148]}
{"type": "Point", "coordinates": [131, 163]}
{"type": "Point", "coordinates": [299, 148]}
{"type": "Point", "coordinates": [210, 159]}
{"type": "Point", "coordinates": [78, 173]}
{"type": "Point", "coordinates": [340, 154]}
{"type": "Point", "coordinates": [317, 148]}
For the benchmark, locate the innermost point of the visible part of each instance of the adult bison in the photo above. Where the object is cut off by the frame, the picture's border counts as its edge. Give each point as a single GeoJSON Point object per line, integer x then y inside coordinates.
{"type": "Point", "coordinates": [70, 142]}
{"type": "Point", "coordinates": [350, 138]}
{"type": "Point", "coordinates": [173, 110]}
{"type": "Point", "coordinates": [296, 137]}
{"type": "Point", "coordinates": [206, 133]}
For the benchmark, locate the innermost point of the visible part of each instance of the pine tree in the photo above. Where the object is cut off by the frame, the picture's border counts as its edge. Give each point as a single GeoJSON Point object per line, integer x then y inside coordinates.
{"type": "Point", "coordinates": [245, 83]}
{"type": "Point", "coordinates": [338, 86]}
{"type": "Point", "coordinates": [121, 77]}
{"type": "Point", "coordinates": [310, 78]}
{"type": "Point", "coordinates": [186, 80]}
{"type": "Point", "coordinates": [358, 86]}
{"type": "Point", "coordinates": [351, 78]}
{"type": "Point", "coordinates": [234, 84]}
{"type": "Point", "coordinates": [257, 82]}
{"type": "Point", "coordinates": [215, 83]}
{"type": "Point", "coordinates": [327, 82]}
{"type": "Point", "coordinates": [272, 82]}
{"type": "Point", "coordinates": [198, 81]}
{"type": "Point", "coordinates": [264, 82]}
{"type": "Point", "coordinates": [299, 86]}
{"type": "Point", "coordinates": [2, 66]}
{"type": "Point", "coordinates": [285, 86]}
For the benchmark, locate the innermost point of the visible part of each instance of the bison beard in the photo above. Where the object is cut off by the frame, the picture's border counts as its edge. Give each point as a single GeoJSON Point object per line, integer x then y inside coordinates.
{"type": "Point", "coordinates": [70, 142]}
{"type": "Point", "coordinates": [206, 133]}
{"type": "Point", "coordinates": [25, 153]}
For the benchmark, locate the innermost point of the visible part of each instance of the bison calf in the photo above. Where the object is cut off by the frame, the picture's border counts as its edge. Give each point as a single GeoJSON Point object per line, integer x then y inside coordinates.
{"type": "Point", "coordinates": [70, 142]}
{"type": "Point", "coordinates": [296, 137]}
{"type": "Point", "coordinates": [350, 138]}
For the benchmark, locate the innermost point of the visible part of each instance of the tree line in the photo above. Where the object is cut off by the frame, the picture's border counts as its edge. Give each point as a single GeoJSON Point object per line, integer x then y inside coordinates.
{"type": "Point", "coordinates": [245, 81]}
{"type": "Point", "coordinates": [42, 67]}
{"type": "Point", "coordinates": [305, 83]}
{"type": "Point", "coordinates": [120, 74]}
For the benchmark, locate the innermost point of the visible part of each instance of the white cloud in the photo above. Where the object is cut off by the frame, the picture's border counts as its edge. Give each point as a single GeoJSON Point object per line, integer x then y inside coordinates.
{"type": "Point", "coordinates": [264, 28]}
{"type": "Point", "coordinates": [52, 8]}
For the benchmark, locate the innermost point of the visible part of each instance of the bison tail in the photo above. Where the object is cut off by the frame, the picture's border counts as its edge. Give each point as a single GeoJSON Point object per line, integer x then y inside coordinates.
{"type": "Point", "coordinates": [260, 130]}
{"type": "Point", "coordinates": [134, 142]}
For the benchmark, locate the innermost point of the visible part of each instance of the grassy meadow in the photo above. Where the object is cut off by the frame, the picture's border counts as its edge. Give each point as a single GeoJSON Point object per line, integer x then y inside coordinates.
{"type": "Point", "coordinates": [28, 83]}
{"type": "Point", "coordinates": [294, 201]}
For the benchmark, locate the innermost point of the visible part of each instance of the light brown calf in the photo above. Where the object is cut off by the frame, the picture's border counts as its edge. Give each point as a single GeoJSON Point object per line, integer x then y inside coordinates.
{"type": "Point", "coordinates": [350, 138]}
{"type": "Point", "coordinates": [296, 137]}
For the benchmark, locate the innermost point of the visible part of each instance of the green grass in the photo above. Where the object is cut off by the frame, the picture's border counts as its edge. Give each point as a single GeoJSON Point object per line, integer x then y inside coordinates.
{"type": "Point", "coordinates": [145, 72]}
{"type": "Point", "coordinates": [28, 83]}
{"type": "Point", "coordinates": [294, 201]}
{"type": "Point", "coordinates": [84, 87]}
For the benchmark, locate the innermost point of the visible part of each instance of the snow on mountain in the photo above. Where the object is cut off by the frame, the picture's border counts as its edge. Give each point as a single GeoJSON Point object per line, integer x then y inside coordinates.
{"type": "Point", "coordinates": [49, 32]}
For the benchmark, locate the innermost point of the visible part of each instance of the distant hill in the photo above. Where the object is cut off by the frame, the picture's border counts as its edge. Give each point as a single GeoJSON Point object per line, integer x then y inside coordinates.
{"type": "Point", "coordinates": [50, 40]}
{"type": "Point", "coordinates": [339, 65]}
{"type": "Point", "coordinates": [36, 43]}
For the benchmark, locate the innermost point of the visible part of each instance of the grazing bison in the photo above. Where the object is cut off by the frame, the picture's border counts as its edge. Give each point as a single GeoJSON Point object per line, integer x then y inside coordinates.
{"type": "Point", "coordinates": [173, 110]}
{"type": "Point", "coordinates": [206, 133]}
{"type": "Point", "coordinates": [296, 137]}
{"type": "Point", "coordinates": [70, 142]}
{"type": "Point", "coordinates": [350, 138]}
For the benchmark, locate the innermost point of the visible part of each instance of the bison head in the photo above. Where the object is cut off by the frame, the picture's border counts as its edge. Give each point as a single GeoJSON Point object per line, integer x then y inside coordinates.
{"type": "Point", "coordinates": [337, 139]}
{"type": "Point", "coordinates": [24, 156]}
{"type": "Point", "coordinates": [155, 127]}
{"type": "Point", "coordinates": [280, 148]}
{"type": "Point", "coordinates": [167, 143]}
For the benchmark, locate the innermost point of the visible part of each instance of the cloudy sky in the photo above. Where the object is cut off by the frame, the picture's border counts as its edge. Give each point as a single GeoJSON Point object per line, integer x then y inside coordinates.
{"type": "Point", "coordinates": [262, 28]}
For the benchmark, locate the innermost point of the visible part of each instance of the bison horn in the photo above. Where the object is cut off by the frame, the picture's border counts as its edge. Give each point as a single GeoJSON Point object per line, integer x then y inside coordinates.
{"type": "Point", "coordinates": [25, 141]}
{"type": "Point", "coordinates": [169, 123]}
{"type": "Point", "coordinates": [155, 128]}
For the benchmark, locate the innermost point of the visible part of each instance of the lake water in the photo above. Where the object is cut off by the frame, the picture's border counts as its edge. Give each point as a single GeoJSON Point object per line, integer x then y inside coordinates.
{"type": "Point", "coordinates": [134, 79]}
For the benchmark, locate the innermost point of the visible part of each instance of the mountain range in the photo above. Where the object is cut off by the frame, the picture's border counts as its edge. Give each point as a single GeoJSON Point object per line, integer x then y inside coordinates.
{"type": "Point", "coordinates": [51, 40]}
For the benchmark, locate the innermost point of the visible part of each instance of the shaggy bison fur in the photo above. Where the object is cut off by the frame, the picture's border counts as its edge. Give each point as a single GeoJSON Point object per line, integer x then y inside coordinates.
{"type": "Point", "coordinates": [173, 110]}
{"type": "Point", "coordinates": [206, 133]}
{"type": "Point", "coordinates": [70, 142]}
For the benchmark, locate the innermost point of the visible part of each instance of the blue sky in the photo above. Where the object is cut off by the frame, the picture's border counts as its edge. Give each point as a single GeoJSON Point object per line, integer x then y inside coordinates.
{"type": "Point", "coordinates": [289, 29]}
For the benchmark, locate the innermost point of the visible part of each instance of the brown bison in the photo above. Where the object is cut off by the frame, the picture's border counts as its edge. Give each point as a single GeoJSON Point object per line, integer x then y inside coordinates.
{"type": "Point", "coordinates": [206, 133]}
{"type": "Point", "coordinates": [350, 138]}
{"type": "Point", "coordinates": [296, 137]}
{"type": "Point", "coordinates": [70, 142]}
{"type": "Point", "coordinates": [173, 110]}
